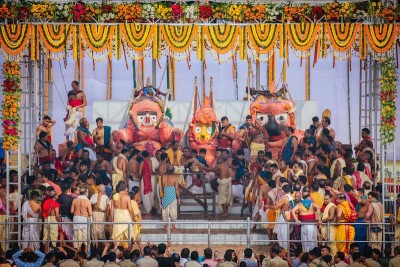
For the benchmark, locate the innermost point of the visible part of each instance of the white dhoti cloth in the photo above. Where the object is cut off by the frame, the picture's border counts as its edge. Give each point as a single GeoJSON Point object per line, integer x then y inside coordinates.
{"type": "Point", "coordinates": [98, 230]}
{"type": "Point", "coordinates": [121, 231]}
{"type": "Point", "coordinates": [30, 232]}
{"type": "Point", "coordinates": [72, 122]}
{"type": "Point", "coordinates": [281, 229]}
{"type": "Point", "coordinates": [171, 211]}
{"type": "Point", "coordinates": [80, 230]}
{"type": "Point", "coordinates": [225, 196]}
{"type": "Point", "coordinates": [149, 199]}
{"type": "Point", "coordinates": [67, 229]}
{"type": "Point", "coordinates": [52, 228]}
{"type": "Point", "coordinates": [309, 234]}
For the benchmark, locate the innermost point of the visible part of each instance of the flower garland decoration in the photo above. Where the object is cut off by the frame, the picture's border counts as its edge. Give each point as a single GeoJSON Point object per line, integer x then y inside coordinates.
{"type": "Point", "coordinates": [388, 99]}
{"type": "Point", "coordinates": [195, 12]}
{"type": "Point", "coordinates": [205, 11]}
{"type": "Point", "coordinates": [11, 105]}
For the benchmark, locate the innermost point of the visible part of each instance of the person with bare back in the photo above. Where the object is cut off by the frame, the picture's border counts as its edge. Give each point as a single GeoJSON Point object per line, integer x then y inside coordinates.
{"type": "Point", "coordinates": [169, 191]}
{"type": "Point", "coordinates": [225, 196]}
{"type": "Point", "coordinates": [283, 206]}
{"type": "Point", "coordinates": [122, 212]}
{"type": "Point", "coordinates": [307, 212]}
{"type": "Point", "coordinates": [82, 210]}
{"type": "Point", "coordinates": [76, 102]}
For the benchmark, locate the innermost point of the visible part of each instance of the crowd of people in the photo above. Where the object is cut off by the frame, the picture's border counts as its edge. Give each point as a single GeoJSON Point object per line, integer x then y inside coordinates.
{"type": "Point", "coordinates": [320, 185]}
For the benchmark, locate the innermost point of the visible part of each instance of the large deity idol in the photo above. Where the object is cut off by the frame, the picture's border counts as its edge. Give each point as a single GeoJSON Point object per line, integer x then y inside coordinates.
{"type": "Point", "coordinates": [148, 128]}
{"type": "Point", "coordinates": [275, 112]}
{"type": "Point", "coordinates": [203, 129]}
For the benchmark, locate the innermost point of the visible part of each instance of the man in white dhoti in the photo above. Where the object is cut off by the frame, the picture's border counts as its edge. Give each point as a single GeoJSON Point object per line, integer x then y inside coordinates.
{"type": "Point", "coordinates": [99, 203]}
{"type": "Point", "coordinates": [309, 214]}
{"type": "Point", "coordinates": [123, 216]}
{"type": "Point", "coordinates": [82, 210]}
{"type": "Point", "coordinates": [30, 213]}
{"type": "Point", "coordinates": [281, 229]}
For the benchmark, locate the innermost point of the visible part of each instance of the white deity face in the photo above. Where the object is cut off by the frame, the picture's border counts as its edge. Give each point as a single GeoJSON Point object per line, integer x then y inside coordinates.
{"type": "Point", "coordinates": [147, 118]}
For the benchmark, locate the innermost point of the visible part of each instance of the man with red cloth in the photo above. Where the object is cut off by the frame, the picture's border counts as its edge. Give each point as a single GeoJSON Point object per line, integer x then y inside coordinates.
{"type": "Point", "coordinates": [148, 183]}
{"type": "Point", "coordinates": [43, 148]}
{"type": "Point", "coordinates": [76, 101]}
{"type": "Point", "coordinates": [84, 139]}
{"type": "Point", "coordinates": [366, 141]}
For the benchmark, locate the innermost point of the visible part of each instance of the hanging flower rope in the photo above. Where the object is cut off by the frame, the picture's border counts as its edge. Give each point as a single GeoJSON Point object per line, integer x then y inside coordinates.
{"type": "Point", "coordinates": [11, 105]}
{"type": "Point", "coordinates": [388, 99]}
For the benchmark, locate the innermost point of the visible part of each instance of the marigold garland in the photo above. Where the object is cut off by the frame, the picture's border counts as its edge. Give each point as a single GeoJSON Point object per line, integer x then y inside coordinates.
{"type": "Point", "coordinates": [388, 97]}
{"type": "Point", "coordinates": [11, 105]}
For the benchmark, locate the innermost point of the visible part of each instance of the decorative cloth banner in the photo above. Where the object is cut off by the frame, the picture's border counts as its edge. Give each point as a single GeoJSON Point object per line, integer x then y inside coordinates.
{"type": "Point", "coordinates": [222, 40]}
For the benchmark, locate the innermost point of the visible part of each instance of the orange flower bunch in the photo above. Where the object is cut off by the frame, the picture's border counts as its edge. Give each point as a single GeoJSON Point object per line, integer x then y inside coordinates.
{"type": "Point", "coordinates": [332, 11]}
{"type": "Point", "coordinates": [346, 10]}
{"type": "Point", "coordinates": [4, 11]}
{"type": "Point", "coordinates": [297, 13]}
{"type": "Point", "coordinates": [218, 12]}
{"type": "Point", "coordinates": [92, 11]}
{"type": "Point", "coordinates": [128, 12]}
{"type": "Point", "coordinates": [389, 13]}
{"type": "Point", "coordinates": [254, 12]}
{"type": "Point", "coordinates": [11, 68]}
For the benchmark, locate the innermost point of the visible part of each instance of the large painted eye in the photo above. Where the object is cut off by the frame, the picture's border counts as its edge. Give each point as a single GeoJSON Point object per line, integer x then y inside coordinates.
{"type": "Point", "coordinates": [263, 118]}
{"type": "Point", "coordinates": [209, 129]}
{"type": "Point", "coordinates": [140, 118]}
{"type": "Point", "coordinates": [153, 118]}
{"type": "Point", "coordinates": [282, 118]}
{"type": "Point", "coordinates": [198, 129]}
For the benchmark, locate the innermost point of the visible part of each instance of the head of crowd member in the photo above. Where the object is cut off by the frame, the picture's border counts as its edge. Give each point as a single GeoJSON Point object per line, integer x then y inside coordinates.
{"type": "Point", "coordinates": [176, 258]}
{"type": "Point", "coordinates": [376, 254]}
{"type": "Point", "coordinates": [194, 153]}
{"type": "Point", "coordinates": [202, 152]}
{"type": "Point", "coordinates": [43, 136]}
{"type": "Point", "coordinates": [305, 194]}
{"type": "Point", "coordinates": [228, 255]}
{"type": "Point", "coordinates": [314, 187]}
{"type": "Point", "coordinates": [397, 251]}
{"type": "Point", "coordinates": [126, 254]}
{"type": "Point", "coordinates": [274, 251]}
{"type": "Point", "coordinates": [297, 196]}
{"type": "Point", "coordinates": [340, 198]}
{"type": "Point", "coordinates": [83, 122]}
{"type": "Point", "coordinates": [75, 85]}
{"type": "Point", "coordinates": [83, 191]}
{"type": "Point", "coordinates": [46, 120]}
{"type": "Point", "coordinates": [225, 154]}
{"type": "Point", "coordinates": [161, 248]}
{"type": "Point", "coordinates": [249, 120]}
{"type": "Point", "coordinates": [240, 154]}
{"type": "Point", "coordinates": [91, 179]}
{"type": "Point", "coordinates": [367, 186]}
{"type": "Point", "coordinates": [175, 145]}
{"type": "Point", "coordinates": [289, 131]}
{"type": "Point", "coordinates": [224, 122]}
{"type": "Point", "coordinates": [83, 167]}
{"type": "Point", "coordinates": [303, 180]}
{"type": "Point", "coordinates": [372, 197]}
{"type": "Point", "coordinates": [121, 187]}
{"type": "Point", "coordinates": [51, 193]}
{"type": "Point", "coordinates": [338, 257]}
{"type": "Point", "coordinates": [248, 253]}
{"type": "Point", "coordinates": [325, 122]}
{"type": "Point", "coordinates": [126, 152]}
{"type": "Point", "coordinates": [186, 152]}
{"type": "Point", "coordinates": [273, 168]}
{"type": "Point", "coordinates": [194, 255]}
{"type": "Point", "coordinates": [271, 184]}
{"type": "Point", "coordinates": [354, 248]}
{"type": "Point", "coordinates": [325, 250]}
{"type": "Point", "coordinates": [365, 132]}
{"type": "Point", "coordinates": [145, 154]}
{"type": "Point", "coordinates": [185, 252]}
{"type": "Point", "coordinates": [315, 121]}
{"type": "Point", "coordinates": [147, 251]}
{"type": "Point", "coordinates": [282, 252]}
{"type": "Point", "coordinates": [282, 165]}
{"type": "Point", "coordinates": [208, 253]}
{"type": "Point", "coordinates": [358, 257]}
{"type": "Point", "coordinates": [327, 199]}
{"type": "Point", "coordinates": [99, 123]}
{"type": "Point", "coordinates": [85, 155]}
{"type": "Point", "coordinates": [260, 156]}
{"type": "Point", "coordinates": [305, 258]}
{"type": "Point", "coordinates": [315, 253]}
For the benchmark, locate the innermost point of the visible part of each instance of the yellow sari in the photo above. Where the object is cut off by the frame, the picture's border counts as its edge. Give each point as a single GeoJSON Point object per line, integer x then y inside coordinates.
{"type": "Point", "coordinates": [345, 233]}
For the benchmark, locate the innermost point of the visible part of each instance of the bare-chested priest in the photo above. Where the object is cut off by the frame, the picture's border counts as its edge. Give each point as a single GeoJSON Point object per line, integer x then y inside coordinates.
{"type": "Point", "coordinates": [225, 196]}
{"type": "Point", "coordinates": [81, 208]}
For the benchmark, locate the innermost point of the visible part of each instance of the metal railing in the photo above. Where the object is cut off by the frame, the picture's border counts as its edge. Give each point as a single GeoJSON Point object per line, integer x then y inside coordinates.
{"type": "Point", "coordinates": [247, 226]}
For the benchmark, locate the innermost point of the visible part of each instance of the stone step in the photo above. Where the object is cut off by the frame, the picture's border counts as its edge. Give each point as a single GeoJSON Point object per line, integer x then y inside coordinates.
{"type": "Point", "coordinates": [201, 224]}
{"type": "Point", "coordinates": [199, 236]}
